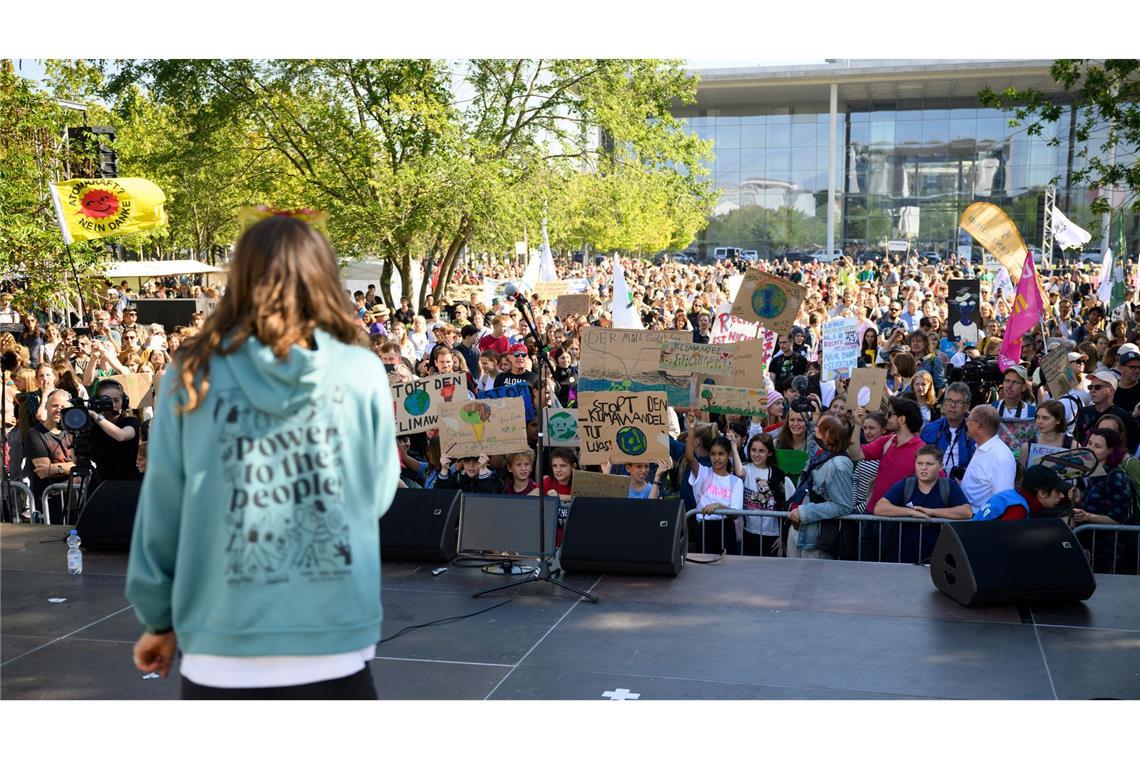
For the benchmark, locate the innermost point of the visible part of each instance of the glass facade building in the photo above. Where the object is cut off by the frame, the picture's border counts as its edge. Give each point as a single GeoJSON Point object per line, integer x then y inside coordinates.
{"type": "Point", "coordinates": [913, 149]}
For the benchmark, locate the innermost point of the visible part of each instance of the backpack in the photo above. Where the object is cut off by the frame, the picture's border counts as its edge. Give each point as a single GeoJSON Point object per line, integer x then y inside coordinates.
{"type": "Point", "coordinates": [911, 483]}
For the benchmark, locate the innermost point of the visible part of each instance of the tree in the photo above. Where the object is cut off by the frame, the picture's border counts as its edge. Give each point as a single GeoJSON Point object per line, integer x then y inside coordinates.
{"type": "Point", "coordinates": [32, 154]}
{"type": "Point", "coordinates": [1107, 96]}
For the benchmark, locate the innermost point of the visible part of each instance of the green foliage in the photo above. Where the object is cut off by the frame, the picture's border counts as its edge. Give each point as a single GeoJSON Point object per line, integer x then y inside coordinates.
{"type": "Point", "coordinates": [1107, 95]}
{"type": "Point", "coordinates": [32, 155]}
{"type": "Point", "coordinates": [766, 229]}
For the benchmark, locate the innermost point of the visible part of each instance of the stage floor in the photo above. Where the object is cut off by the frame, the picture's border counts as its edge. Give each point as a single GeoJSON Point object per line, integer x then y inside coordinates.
{"type": "Point", "coordinates": [745, 628]}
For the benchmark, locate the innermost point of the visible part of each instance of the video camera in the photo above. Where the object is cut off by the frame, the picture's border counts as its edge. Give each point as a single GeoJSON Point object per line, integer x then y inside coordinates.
{"type": "Point", "coordinates": [76, 419]}
{"type": "Point", "coordinates": [981, 375]}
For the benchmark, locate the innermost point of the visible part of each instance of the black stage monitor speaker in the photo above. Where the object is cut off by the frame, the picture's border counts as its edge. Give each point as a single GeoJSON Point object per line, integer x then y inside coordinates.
{"type": "Point", "coordinates": [168, 312]}
{"type": "Point", "coordinates": [421, 524]}
{"type": "Point", "coordinates": [1010, 562]}
{"type": "Point", "coordinates": [499, 525]}
{"type": "Point", "coordinates": [630, 536]}
{"type": "Point", "coordinates": [108, 517]}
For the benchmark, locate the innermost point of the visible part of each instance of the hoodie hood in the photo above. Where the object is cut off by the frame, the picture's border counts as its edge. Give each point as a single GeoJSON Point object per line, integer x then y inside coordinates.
{"type": "Point", "coordinates": [280, 387]}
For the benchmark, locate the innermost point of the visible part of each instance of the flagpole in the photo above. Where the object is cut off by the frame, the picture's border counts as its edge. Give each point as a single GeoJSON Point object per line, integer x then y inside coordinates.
{"type": "Point", "coordinates": [78, 285]}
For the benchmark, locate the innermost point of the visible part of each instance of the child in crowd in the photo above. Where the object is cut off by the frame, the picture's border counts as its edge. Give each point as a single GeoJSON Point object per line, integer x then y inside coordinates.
{"type": "Point", "coordinates": [639, 485]}
{"type": "Point", "coordinates": [714, 488]}
{"type": "Point", "coordinates": [520, 465]}
{"type": "Point", "coordinates": [763, 490]}
{"type": "Point", "coordinates": [472, 475]}
{"type": "Point", "coordinates": [559, 483]}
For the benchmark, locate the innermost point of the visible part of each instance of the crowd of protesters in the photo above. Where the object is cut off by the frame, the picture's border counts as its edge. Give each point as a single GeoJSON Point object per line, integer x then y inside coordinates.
{"type": "Point", "coordinates": [935, 450]}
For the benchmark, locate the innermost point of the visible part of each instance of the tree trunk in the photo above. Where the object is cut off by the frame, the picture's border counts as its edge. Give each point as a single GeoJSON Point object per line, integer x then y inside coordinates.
{"type": "Point", "coordinates": [425, 280]}
{"type": "Point", "coordinates": [386, 281]}
{"type": "Point", "coordinates": [448, 264]}
{"type": "Point", "coordinates": [405, 267]}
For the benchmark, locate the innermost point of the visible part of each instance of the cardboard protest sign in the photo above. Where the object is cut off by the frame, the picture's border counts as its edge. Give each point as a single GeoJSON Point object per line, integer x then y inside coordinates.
{"type": "Point", "coordinates": [1074, 463]}
{"type": "Point", "coordinates": [866, 388]}
{"type": "Point", "coordinates": [964, 317]}
{"type": "Point", "coordinates": [627, 360]}
{"type": "Point", "coordinates": [769, 300]}
{"type": "Point", "coordinates": [138, 387]}
{"type": "Point", "coordinates": [586, 483]}
{"type": "Point", "coordinates": [550, 289]}
{"type": "Point", "coordinates": [419, 402]}
{"type": "Point", "coordinates": [688, 357]}
{"type": "Point", "coordinates": [840, 347]}
{"type": "Point", "coordinates": [1016, 432]}
{"type": "Point", "coordinates": [1057, 372]}
{"type": "Point", "coordinates": [728, 329]}
{"type": "Point", "coordinates": [573, 303]}
{"type": "Point", "coordinates": [485, 426]}
{"type": "Point", "coordinates": [791, 461]}
{"type": "Point", "coordinates": [561, 427]}
{"type": "Point", "coordinates": [724, 399]}
{"type": "Point", "coordinates": [515, 390]}
{"type": "Point", "coordinates": [623, 427]}
{"type": "Point", "coordinates": [465, 292]}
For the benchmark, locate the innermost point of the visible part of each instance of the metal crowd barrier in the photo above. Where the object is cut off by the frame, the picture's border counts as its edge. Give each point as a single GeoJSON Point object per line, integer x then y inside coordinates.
{"type": "Point", "coordinates": [1133, 567]}
{"type": "Point", "coordinates": [877, 524]}
{"type": "Point", "coordinates": [53, 489]}
{"type": "Point", "coordinates": [28, 498]}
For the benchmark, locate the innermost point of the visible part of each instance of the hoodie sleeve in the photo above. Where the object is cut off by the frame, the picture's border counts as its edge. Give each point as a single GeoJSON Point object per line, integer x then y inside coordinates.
{"type": "Point", "coordinates": [384, 429]}
{"type": "Point", "coordinates": [834, 478]}
{"type": "Point", "coordinates": [154, 542]}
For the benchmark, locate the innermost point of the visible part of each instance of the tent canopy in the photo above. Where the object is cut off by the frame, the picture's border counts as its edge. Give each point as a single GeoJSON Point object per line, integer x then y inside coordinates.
{"type": "Point", "coordinates": [158, 269]}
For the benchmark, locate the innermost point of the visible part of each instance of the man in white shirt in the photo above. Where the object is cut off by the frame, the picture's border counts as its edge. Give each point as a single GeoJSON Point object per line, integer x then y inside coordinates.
{"type": "Point", "coordinates": [992, 467]}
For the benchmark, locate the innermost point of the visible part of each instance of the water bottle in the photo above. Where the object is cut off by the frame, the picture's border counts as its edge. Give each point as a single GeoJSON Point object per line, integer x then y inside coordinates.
{"type": "Point", "coordinates": [74, 556]}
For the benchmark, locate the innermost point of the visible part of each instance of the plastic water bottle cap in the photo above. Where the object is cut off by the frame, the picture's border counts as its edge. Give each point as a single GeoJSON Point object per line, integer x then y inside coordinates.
{"type": "Point", "coordinates": [74, 532]}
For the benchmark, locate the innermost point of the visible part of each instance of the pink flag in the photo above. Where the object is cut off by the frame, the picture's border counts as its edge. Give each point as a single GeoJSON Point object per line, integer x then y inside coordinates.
{"type": "Point", "coordinates": [1024, 316]}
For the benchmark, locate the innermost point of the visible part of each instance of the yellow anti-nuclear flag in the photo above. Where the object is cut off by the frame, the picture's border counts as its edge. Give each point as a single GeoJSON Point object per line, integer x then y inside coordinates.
{"type": "Point", "coordinates": [88, 209]}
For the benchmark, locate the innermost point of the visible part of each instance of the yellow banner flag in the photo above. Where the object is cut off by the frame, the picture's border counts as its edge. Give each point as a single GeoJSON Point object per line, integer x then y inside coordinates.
{"type": "Point", "coordinates": [997, 233]}
{"type": "Point", "coordinates": [87, 209]}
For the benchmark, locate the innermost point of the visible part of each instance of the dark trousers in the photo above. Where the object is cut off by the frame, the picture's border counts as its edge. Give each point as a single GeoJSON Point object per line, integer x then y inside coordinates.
{"type": "Point", "coordinates": [756, 545]}
{"type": "Point", "coordinates": [359, 685]}
{"type": "Point", "coordinates": [712, 536]}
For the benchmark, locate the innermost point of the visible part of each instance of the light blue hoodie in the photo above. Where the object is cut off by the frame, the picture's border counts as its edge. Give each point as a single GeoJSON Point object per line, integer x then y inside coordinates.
{"type": "Point", "coordinates": [258, 522]}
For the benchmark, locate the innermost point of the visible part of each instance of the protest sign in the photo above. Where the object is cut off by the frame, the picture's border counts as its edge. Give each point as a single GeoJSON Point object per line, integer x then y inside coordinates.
{"type": "Point", "coordinates": [866, 388]}
{"type": "Point", "coordinates": [724, 399]}
{"type": "Point", "coordinates": [688, 357]}
{"type": "Point", "coordinates": [138, 387]}
{"type": "Point", "coordinates": [586, 483]}
{"type": "Point", "coordinates": [1057, 372]}
{"type": "Point", "coordinates": [550, 289]}
{"type": "Point", "coordinates": [769, 300]}
{"type": "Point", "coordinates": [573, 303]}
{"type": "Point", "coordinates": [1014, 433]}
{"type": "Point", "coordinates": [964, 317]}
{"type": "Point", "coordinates": [627, 360]}
{"type": "Point", "coordinates": [791, 461]}
{"type": "Point", "coordinates": [623, 427]}
{"type": "Point", "coordinates": [419, 402]}
{"type": "Point", "coordinates": [561, 427]}
{"type": "Point", "coordinates": [728, 329]}
{"type": "Point", "coordinates": [486, 426]}
{"type": "Point", "coordinates": [514, 390]}
{"type": "Point", "coordinates": [840, 347]}
{"type": "Point", "coordinates": [471, 293]}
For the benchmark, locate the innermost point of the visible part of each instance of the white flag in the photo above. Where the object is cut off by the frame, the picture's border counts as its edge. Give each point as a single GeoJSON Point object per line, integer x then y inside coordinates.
{"type": "Point", "coordinates": [624, 315]}
{"type": "Point", "coordinates": [1104, 288]}
{"type": "Point", "coordinates": [530, 274]}
{"type": "Point", "coordinates": [546, 270]}
{"type": "Point", "coordinates": [1066, 234]}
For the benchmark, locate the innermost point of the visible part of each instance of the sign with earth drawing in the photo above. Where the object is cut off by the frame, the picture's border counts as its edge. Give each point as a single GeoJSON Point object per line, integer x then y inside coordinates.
{"type": "Point", "coordinates": [419, 403]}
{"type": "Point", "coordinates": [629, 360]}
{"type": "Point", "coordinates": [485, 426]}
{"type": "Point", "coordinates": [623, 427]}
{"type": "Point", "coordinates": [561, 427]}
{"type": "Point", "coordinates": [769, 300]}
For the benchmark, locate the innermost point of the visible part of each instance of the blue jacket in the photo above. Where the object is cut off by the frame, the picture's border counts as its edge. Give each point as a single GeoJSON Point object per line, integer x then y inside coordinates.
{"type": "Point", "coordinates": [939, 434]}
{"type": "Point", "coordinates": [257, 530]}
{"type": "Point", "coordinates": [833, 480]}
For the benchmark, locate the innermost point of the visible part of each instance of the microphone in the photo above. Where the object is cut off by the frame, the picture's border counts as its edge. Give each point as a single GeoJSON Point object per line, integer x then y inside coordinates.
{"type": "Point", "coordinates": [514, 293]}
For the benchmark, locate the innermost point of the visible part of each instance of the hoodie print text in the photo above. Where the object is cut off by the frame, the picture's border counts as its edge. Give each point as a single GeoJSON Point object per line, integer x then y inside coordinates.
{"type": "Point", "coordinates": [285, 517]}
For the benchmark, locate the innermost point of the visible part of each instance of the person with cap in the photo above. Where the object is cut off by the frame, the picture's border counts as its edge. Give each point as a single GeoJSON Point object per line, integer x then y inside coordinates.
{"type": "Point", "coordinates": [992, 468]}
{"type": "Point", "coordinates": [1127, 394]}
{"type": "Point", "coordinates": [1012, 404]}
{"type": "Point", "coordinates": [379, 317]}
{"type": "Point", "coordinates": [1102, 390]}
{"type": "Point", "coordinates": [1042, 490]}
{"type": "Point", "coordinates": [518, 372]}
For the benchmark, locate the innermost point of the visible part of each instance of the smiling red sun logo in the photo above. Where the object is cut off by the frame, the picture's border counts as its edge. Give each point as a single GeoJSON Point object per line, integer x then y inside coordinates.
{"type": "Point", "coordinates": [99, 204]}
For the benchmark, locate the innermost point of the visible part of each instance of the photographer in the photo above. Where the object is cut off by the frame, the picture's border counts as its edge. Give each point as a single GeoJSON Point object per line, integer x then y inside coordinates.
{"type": "Point", "coordinates": [50, 449]}
{"type": "Point", "coordinates": [115, 435]}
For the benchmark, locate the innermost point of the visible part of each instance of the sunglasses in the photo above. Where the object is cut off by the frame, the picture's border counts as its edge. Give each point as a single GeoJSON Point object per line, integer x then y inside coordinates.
{"type": "Point", "coordinates": [1097, 387]}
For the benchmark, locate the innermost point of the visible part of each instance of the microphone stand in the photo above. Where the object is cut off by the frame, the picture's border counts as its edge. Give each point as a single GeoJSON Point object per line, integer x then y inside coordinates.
{"type": "Point", "coordinates": [542, 572]}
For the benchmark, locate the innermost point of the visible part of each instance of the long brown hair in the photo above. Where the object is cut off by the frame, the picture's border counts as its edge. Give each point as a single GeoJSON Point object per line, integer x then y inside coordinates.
{"type": "Point", "coordinates": [283, 284]}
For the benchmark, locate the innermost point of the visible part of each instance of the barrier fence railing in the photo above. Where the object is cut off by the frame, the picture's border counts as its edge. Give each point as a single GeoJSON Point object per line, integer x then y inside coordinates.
{"type": "Point", "coordinates": [49, 492]}
{"type": "Point", "coordinates": [886, 539]}
{"type": "Point", "coordinates": [1128, 535]}
{"type": "Point", "coordinates": [13, 503]}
